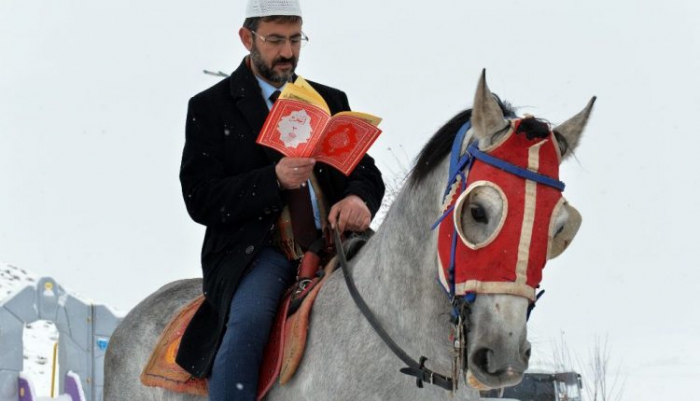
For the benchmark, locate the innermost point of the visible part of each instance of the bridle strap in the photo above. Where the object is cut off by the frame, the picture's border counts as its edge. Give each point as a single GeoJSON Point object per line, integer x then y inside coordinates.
{"type": "Point", "coordinates": [414, 368]}
{"type": "Point", "coordinates": [458, 164]}
{"type": "Point", "coordinates": [513, 169]}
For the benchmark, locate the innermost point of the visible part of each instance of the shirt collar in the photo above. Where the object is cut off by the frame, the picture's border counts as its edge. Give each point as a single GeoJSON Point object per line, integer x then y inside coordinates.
{"type": "Point", "coordinates": [267, 90]}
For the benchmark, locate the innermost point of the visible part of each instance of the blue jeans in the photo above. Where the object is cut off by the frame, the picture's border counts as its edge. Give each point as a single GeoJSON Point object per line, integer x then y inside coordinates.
{"type": "Point", "coordinates": [234, 375]}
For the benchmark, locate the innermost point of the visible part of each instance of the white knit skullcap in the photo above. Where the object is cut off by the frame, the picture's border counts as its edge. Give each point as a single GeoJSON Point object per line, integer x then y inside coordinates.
{"type": "Point", "coordinates": [266, 8]}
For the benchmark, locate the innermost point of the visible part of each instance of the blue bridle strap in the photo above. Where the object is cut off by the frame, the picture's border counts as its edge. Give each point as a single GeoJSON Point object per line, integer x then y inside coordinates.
{"type": "Point", "coordinates": [458, 164]}
{"type": "Point", "coordinates": [513, 169]}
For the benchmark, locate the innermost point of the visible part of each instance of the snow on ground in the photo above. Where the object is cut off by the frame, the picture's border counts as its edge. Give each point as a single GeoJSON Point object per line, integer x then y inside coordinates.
{"type": "Point", "coordinates": [39, 339]}
{"type": "Point", "coordinates": [13, 279]}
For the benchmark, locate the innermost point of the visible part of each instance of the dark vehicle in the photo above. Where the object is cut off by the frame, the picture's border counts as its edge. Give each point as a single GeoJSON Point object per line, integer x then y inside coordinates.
{"type": "Point", "coordinates": [565, 386]}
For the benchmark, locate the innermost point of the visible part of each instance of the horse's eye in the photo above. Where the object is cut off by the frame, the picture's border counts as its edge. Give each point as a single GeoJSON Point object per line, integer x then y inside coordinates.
{"type": "Point", "coordinates": [565, 223]}
{"type": "Point", "coordinates": [479, 214]}
{"type": "Point", "coordinates": [559, 230]}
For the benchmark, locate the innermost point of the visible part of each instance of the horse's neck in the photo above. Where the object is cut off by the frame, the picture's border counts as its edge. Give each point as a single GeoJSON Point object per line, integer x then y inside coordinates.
{"type": "Point", "coordinates": [396, 272]}
{"type": "Point", "coordinates": [401, 247]}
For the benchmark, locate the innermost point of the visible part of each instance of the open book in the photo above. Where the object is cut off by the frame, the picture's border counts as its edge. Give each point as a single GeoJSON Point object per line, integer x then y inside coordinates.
{"type": "Point", "coordinates": [300, 125]}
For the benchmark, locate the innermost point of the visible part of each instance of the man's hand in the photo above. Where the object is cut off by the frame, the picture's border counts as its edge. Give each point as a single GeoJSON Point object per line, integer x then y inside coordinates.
{"type": "Point", "coordinates": [350, 214]}
{"type": "Point", "coordinates": [293, 172]}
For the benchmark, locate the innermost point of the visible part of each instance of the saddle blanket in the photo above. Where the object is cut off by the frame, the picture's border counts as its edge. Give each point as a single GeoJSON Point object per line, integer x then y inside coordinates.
{"type": "Point", "coordinates": [283, 353]}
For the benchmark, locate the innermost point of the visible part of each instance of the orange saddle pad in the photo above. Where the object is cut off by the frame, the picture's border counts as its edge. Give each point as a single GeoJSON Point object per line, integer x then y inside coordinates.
{"type": "Point", "coordinates": [283, 353]}
{"type": "Point", "coordinates": [161, 369]}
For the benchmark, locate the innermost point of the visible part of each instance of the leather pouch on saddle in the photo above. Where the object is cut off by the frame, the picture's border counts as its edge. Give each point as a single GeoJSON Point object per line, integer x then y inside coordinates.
{"type": "Point", "coordinates": [310, 271]}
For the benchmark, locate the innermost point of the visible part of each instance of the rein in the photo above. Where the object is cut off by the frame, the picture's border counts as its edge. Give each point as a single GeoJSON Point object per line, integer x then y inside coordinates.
{"type": "Point", "coordinates": [416, 369]}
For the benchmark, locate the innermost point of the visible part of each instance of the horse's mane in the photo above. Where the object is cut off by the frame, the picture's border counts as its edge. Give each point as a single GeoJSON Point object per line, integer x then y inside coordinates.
{"type": "Point", "coordinates": [440, 144]}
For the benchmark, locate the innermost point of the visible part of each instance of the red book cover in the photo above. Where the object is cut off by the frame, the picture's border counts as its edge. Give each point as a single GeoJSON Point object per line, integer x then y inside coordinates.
{"type": "Point", "coordinates": [299, 129]}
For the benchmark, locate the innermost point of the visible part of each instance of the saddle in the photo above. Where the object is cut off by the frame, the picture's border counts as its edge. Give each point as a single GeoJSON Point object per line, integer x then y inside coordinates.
{"type": "Point", "coordinates": [284, 350]}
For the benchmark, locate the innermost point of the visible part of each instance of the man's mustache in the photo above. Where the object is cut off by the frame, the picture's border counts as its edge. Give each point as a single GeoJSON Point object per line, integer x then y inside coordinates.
{"type": "Point", "coordinates": [281, 60]}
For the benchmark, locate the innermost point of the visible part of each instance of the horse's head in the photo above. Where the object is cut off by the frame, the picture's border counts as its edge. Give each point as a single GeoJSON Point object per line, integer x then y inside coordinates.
{"type": "Point", "coordinates": [503, 217]}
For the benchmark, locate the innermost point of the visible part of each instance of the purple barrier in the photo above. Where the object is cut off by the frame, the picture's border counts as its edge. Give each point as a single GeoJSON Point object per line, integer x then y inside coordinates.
{"type": "Point", "coordinates": [25, 390]}
{"type": "Point", "coordinates": [72, 387]}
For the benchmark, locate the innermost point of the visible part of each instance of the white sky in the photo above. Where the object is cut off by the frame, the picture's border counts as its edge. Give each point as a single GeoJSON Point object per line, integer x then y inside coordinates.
{"type": "Point", "coordinates": [93, 97]}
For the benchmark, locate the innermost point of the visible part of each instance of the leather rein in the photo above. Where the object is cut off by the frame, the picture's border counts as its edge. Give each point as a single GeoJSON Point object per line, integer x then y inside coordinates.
{"type": "Point", "coordinates": [414, 368]}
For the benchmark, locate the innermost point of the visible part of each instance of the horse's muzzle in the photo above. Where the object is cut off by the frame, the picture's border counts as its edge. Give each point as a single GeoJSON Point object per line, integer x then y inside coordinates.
{"type": "Point", "coordinates": [493, 369]}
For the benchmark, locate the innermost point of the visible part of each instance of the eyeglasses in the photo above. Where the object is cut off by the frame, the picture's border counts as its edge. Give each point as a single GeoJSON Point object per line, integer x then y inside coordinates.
{"type": "Point", "coordinates": [278, 41]}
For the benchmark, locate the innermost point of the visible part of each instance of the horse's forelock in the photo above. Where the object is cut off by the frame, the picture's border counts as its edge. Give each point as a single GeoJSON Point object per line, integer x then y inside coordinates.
{"type": "Point", "coordinates": [533, 128]}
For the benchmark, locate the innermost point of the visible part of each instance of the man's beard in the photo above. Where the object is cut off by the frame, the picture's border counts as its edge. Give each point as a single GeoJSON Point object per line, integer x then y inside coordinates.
{"type": "Point", "coordinates": [268, 72]}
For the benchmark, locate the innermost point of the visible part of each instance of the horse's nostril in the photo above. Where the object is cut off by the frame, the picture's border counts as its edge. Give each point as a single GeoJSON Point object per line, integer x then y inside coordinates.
{"type": "Point", "coordinates": [481, 358]}
{"type": "Point", "coordinates": [528, 352]}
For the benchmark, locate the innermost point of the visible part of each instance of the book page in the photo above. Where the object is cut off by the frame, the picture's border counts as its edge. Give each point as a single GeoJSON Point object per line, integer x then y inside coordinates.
{"type": "Point", "coordinates": [293, 128]}
{"type": "Point", "coordinates": [320, 101]}
{"type": "Point", "coordinates": [293, 92]}
{"type": "Point", "coordinates": [345, 141]}
{"type": "Point", "coordinates": [374, 120]}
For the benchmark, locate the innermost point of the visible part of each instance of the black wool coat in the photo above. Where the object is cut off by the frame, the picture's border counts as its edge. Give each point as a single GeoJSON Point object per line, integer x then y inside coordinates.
{"type": "Point", "coordinates": [229, 185]}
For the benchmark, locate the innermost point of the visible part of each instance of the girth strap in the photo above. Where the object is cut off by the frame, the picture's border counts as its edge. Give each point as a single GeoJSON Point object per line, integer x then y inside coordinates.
{"type": "Point", "coordinates": [414, 368]}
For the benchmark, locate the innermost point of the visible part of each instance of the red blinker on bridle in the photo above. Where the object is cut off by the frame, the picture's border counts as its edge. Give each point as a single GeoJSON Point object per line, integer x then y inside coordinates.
{"type": "Point", "coordinates": [525, 173]}
{"type": "Point", "coordinates": [501, 165]}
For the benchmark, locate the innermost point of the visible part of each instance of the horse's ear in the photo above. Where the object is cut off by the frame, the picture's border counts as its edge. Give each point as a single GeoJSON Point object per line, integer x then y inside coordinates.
{"type": "Point", "coordinates": [572, 128]}
{"type": "Point", "coordinates": [487, 117]}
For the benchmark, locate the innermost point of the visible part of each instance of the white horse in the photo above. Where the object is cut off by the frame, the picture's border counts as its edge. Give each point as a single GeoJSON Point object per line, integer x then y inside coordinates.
{"type": "Point", "coordinates": [395, 273]}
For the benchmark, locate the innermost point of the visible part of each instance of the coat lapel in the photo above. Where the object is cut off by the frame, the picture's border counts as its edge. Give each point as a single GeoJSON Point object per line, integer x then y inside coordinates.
{"type": "Point", "coordinates": [246, 91]}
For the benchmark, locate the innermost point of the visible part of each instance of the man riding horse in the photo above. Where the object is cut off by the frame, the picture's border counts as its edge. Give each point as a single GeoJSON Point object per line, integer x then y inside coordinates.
{"type": "Point", "coordinates": [262, 210]}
